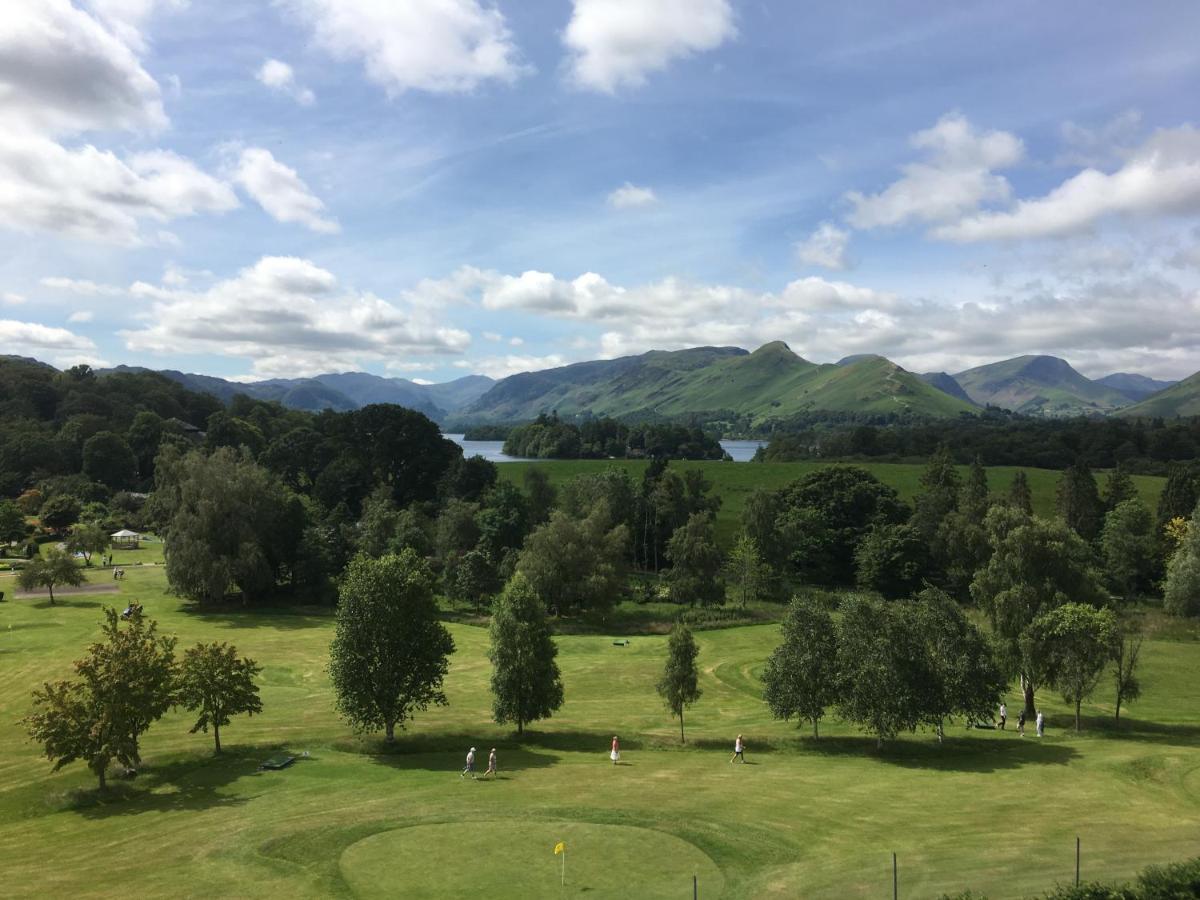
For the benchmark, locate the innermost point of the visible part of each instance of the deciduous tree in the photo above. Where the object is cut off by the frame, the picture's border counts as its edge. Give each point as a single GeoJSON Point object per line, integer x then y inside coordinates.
{"type": "Point", "coordinates": [1126, 655]}
{"type": "Point", "coordinates": [695, 573]}
{"type": "Point", "coordinates": [747, 572]}
{"type": "Point", "coordinates": [678, 686]}
{"type": "Point", "coordinates": [389, 653]}
{"type": "Point", "coordinates": [526, 682]}
{"type": "Point", "coordinates": [575, 564]}
{"type": "Point", "coordinates": [1071, 644]}
{"type": "Point", "coordinates": [801, 678]}
{"type": "Point", "coordinates": [52, 569]}
{"type": "Point", "coordinates": [88, 539]}
{"type": "Point", "coordinates": [217, 684]}
{"type": "Point", "coordinates": [1128, 546]}
{"type": "Point", "coordinates": [120, 688]}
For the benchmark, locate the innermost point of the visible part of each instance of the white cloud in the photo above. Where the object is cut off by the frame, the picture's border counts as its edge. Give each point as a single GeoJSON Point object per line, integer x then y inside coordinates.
{"type": "Point", "coordinates": [62, 72]}
{"type": "Point", "coordinates": [616, 43]}
{"type": "Point", "coordinates": [1095, 147]}
{"type": "Point", "coordinates": [421, 381]}
{"type": "Point", "coordinates": [825, 247]}
{"type": "Point", "coordinates": [629, 196]}
{"type": "Point", "coordinates": [1162, 177]}
{"type": "Point", "coordinates": [81, 286]}
{"type": "Point", "coordinates": [92, 194]}
{"type": "Point", "coordinates": [442, 46]}
{"type": "Point", "coordinates": [12, 298]}
{"type": "Point", "coordinates": [279, 76]}
{"type": "Point", "coordinates": [280, 191]}
{"type": "Point", "coordinates": [503, 366]}
{"type": "Point", "coordinates": [290, 317]}
{"type": "Point", "coordinates": [516, 342]}
{"type": "Point", "coordinates": [34, 339]}
{"type": "Point", "coordinates": [955, 179]}
{"type": "Point", "coordinates": [81, 315]}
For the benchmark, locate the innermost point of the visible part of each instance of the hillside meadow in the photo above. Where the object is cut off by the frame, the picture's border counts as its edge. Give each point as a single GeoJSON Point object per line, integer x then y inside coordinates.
{"type": "Point", "coordinates": [734, 482]}
{"type": "Point", "coordinates": [987, 810]}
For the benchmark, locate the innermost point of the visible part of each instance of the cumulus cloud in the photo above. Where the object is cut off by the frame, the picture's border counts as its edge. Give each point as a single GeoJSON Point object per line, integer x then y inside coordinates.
{"type": "Point", "coordinates": [442, 46]}
{"type": "Point", "coordinates": [630, 196]}
{"type": "Point", "coordinates": [63, 72]}
{"type": "Point", "coordinates": [825, 247]}
{"type": "Point", "coordinates": [42, 341]}
{"type": "Point", "coordinates": [954, 179]}
{"type": "Point", "coordinates": [93, 194]}
{"type": "Point", "coordinates": [13, 298]}
{"type": "Point", "coordinates": [280, 191]}
{"type": "Point", "coordinates": [1162, 177]}
{"type": "Point", "coordinates": [280, 77]}
{"type": "Point", "coordinates": [289, 317]}
{"type": "Point", "coordinates": [503, 366]}
{"type": "Point", "coordinates": [81, 315]}
{"type": "Point", "coordinates": [617, 43]}
{"type": "Point", "coordinates": [1098, 146]}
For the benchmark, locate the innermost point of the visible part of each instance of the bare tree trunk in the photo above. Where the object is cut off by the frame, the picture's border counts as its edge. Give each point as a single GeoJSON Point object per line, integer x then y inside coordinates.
{"type": "Point", "coordinates": [51, 587]}
{"type": "Point", "coordinates": [1078, 702]}
{"type": "Point", "coordinates": [217, 736]}
{"type": "Point", "coordinates": [1118, 716]}
{"type": "Point", "coordinates": [1027, 689]}
{"type": "Point", "coordinates": [389, 726]}
{"type": "Point", "coordinates": [682, 739]}
{"type": "Point", "coordinates": [100, 775]}
{"type": "Point", "coordinates": [816, 733]}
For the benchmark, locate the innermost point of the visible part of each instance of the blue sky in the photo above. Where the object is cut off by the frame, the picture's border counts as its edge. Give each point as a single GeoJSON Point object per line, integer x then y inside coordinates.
{"type": "Point", "coordinates": [438, 187]}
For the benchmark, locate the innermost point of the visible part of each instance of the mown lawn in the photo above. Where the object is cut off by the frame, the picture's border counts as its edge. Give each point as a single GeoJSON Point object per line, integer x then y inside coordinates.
{"type": "Point", "coordinates": [804, 818]}
{"type": "Point", "coordinates": [734, 482]}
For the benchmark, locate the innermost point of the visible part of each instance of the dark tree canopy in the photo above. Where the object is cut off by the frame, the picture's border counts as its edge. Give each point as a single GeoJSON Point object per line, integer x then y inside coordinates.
{"type": "Point", "coordinates": [216, 683]}
{"type": "Point", "coordinates": [696, 562]}
{"type": "Point", "coordinates": [801, 678]}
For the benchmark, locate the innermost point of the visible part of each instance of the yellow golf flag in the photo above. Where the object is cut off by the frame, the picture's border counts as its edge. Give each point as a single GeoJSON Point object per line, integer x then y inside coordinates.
{"type": "Point", "coordinates": [560, 847]}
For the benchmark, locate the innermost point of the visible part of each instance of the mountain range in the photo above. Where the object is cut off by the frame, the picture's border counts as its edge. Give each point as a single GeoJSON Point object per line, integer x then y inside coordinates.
{"type": "Point", "coordinates": [771, 383]}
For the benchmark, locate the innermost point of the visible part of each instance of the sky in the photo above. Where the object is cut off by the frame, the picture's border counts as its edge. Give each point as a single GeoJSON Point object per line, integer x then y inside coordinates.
{"type": "Point", "coordinates": [433, 188]}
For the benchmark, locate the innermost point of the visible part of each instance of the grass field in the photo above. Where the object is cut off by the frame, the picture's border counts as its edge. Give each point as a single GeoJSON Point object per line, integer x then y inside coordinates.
{"type": "Point", "coordinates": [804, 818]}
{"type": "Point", "coordinates": [734, 482]}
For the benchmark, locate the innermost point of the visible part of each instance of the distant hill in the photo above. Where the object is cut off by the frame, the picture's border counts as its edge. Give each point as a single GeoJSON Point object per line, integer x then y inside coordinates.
{"type": "Point", "coordinates": [770, 383]}
{"type": "Point", "coordinates": [1039, 385]}
{"type": "Point", "coordinates": [945, 383]}
{"type": "Point", "coordinates": [1181, 399]}
{"type": "Point", "coordinates": [340, 392]}
{"type": "Point", "coordinates": [1135, 387]}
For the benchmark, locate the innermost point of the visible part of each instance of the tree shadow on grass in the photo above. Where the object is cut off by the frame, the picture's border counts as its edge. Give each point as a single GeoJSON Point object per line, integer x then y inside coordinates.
{"type": "Point", "coordinates": [250, 617]}
{"type": "Point", "coordinates": [959, 754]}
{"type": "Point", "coordinates": [190, 784]}
{"type": "Point", "coordinates": [68, 603]}
{"type": "Point", "coordinates": [1141, 730]}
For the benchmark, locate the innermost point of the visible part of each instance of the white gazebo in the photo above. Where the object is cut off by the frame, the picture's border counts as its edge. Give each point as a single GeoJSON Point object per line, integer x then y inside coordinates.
{"type": "Point", "coordinates": [125, 539]}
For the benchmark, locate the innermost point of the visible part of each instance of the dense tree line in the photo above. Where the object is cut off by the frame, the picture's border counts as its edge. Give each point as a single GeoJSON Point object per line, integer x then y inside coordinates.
{"type": "Point", "coordinates": [998, 438]}
{"type": "Point", "coordinates": [549, 437]}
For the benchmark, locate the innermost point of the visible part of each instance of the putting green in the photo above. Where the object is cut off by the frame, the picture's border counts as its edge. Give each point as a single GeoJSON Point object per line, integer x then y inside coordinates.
{"type": "Point", "coordinates": [506, 858]}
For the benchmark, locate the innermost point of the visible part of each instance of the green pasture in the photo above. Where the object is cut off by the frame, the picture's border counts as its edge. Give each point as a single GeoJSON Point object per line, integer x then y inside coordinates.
{"type": "Point", "coordinates": [734, 482]}
{"type": "Point", "coordinates": [807, 818]}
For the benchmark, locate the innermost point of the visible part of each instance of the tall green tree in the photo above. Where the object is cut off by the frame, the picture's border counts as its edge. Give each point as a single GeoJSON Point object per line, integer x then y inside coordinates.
{"type": "Point", "coordinates": [12, 522]}
{"type": "Point", "coordinates": [123, 685]}
{"type": "Point", "coordinates": [883, 673]}
{"type": "Point", "coordinates": [60, 512]}
{"type": "Point", "coordinates": [526, 681]}
{"type": "Point", "coordinates": [1127, 652]}
{"type": "Point", "coordinates": [964, 678]}
{"type": "Point", "coordinates": [1072, 644]}
{"type": "Point", "coordinates": [1035, 567]}
{"type": "Point", "coordinates": [679, 686]}
{"type": "Point", "coordinates": [695, 573]}
{"type": "Point", "coordinates": [892, 559]}
{"type": "Point", "coordinates": [88, 539]}
{"type": "Point", "coordinates": [1019, 494]}
{"type": "Point", "coordinates": [760, 523]}
{"type": "Point", "coordinates": [389, 654]}
{"type": "Point", "coordinates": [1129, 548]}
{"type": "Point", "coordinates": [1078, 500]}
{"type": "Point", "coordinates": [1181, 590]}
{"type": "Point", "coordinates": [541, 495]}
{"type": "Point", "coordinates": [937, 495]}
{"type": "Point", "coordinates": [217, 684]}
{"type": "Point", "coordinates": [801, 678]}
{"type": "Point", "coordinates": [52, 569]}
{"type": "Point", "coordinates": [108, 460]}
{"type": "Point", "coordinates": [1181, 493]}
{"type": "Point", "coordinates": [576, 564]}
{"type": "Point", "coordinates": [748, 574]}
{"type": "Point", "coordinates": [1118, 488]}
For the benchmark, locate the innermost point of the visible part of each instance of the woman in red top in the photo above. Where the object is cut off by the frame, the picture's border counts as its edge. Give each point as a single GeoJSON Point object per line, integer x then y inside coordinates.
{"type": "Point", "coordinates": [616, 751]}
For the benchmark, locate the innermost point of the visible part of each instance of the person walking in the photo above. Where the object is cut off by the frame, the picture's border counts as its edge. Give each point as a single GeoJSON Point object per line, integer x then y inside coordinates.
{"type": "Point", "coordinates": [470, 766]}
{"type": "Point", "coordinates": [739, 749]}
{"type": "Point", "coordinates": [615, 754]}
{"type": "Point", "coordinates": [1021, 723]}
{"type": "Point", "coordinates": [491, 769]}
{"type": "Point", "coordinates": [1003, 714]}
{"type": "Point", "coordinates": [1041, 723]}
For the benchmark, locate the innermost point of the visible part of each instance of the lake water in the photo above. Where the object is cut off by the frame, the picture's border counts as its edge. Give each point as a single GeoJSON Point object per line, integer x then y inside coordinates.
{"type": "Point", "coordinates": [493, 451]}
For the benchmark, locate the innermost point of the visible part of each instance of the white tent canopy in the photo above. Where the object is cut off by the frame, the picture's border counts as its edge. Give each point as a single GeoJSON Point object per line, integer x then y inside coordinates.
{"type": "Point", "coordinates": [125, 538]}
{"type": "Point", "coordinates": [125, 533]}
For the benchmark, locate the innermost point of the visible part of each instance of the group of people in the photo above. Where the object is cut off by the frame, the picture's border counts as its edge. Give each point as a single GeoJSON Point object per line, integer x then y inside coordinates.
{"type": "Point", "coordinates": [739, 752]}
{"type": "Point", "coordinates": [1040, 721]}
{"type": "Point", "coordinates": [469, 768]}
{"type": "Point", "coordinates": [118, 574]}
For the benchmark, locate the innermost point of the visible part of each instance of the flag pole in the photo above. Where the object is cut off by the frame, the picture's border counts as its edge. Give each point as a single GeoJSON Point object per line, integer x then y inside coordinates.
{"type": "Point", "coordinates": [564, 868]}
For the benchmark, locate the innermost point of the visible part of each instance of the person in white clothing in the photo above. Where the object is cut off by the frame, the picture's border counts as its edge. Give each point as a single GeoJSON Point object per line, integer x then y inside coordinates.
{"type": "Point", "coordinates": [470, 766]}
{"type": "Point", "coordinates": [1041, 723]}
{"type": "Point", "coordinates": [1003, 714]}
{"type": "Point", "coordinates": [739, 749]}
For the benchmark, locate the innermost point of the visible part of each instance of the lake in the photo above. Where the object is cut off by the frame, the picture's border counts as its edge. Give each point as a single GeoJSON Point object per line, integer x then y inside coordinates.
{"type": "Point", "coordinates": [493, 451]}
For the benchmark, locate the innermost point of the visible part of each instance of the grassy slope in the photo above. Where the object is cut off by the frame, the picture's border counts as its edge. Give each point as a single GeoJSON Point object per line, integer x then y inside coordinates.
{"type": "Point", "coordinates": [1038, 386]}
{"type": "Point", "coordinates": [734, 482]}
{"type": "Point", "coordinates": [772, 382]}
{"type": "Point", "coordinates": [987, 810]}
{"type": "Point", "coordinates": [1182, 399]}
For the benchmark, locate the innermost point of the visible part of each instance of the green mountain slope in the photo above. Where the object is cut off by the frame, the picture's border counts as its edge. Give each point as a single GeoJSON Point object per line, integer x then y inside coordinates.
{"type": "Point", "coordinates": [1039, 385]}
{"type": "Point", "coordinates": [1181, 399]}
{"type": "Point", "coordinates": [770, 383]}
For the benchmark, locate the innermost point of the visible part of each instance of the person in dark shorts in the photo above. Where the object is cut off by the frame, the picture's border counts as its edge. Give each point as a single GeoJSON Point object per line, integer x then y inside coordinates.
{"type": "Point", "coordinates": [1003, 714]}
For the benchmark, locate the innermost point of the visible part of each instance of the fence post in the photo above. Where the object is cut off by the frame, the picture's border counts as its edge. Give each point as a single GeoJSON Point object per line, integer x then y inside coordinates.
{"type": "Point", "coordinates": [1076, 860]}
{"type": "Point", "coordinates": [695, 888]}
{"type": "Point", "coordinates": [895, 880]}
